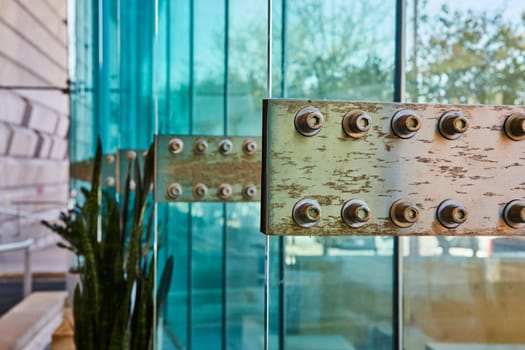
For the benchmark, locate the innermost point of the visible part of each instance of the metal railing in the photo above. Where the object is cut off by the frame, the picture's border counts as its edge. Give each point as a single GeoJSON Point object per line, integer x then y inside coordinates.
{"type": "Point", "coordinates": [26, 247]}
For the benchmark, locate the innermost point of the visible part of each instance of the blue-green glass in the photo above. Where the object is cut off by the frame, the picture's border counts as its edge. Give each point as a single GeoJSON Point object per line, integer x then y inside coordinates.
{"type": "Point", "coordinates": [112, 76]}
{"type": "Point", "coordinates": [337, 290]}
{"type": "Point", "coordinates": [208, 85]}
{"type": "Point", "coordinates": [465, 290]}
{"type": "Point", "coordinates": [174, 229]}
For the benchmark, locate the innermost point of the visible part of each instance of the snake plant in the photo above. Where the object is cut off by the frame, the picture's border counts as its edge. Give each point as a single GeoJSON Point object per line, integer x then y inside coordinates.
{"type": "Point", "coordinates": [113, 303]}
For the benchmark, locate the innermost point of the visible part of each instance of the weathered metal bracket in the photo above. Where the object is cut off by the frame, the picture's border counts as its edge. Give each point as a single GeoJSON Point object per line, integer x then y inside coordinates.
{"type": "Point", "coordinates": [207, 168]}
{"type": "Point", "coordinates": [124, 156]}
{"type": "Point", "coordinates": [83, 170]}
{"type": "Point", "coordinates": [114, 168]}
{"type": "Point", "coordinates": [352, 168]}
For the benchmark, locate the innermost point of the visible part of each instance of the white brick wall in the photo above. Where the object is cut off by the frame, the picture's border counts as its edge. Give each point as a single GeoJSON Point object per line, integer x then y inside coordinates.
{"type": "Point", "coordinates": [33, 122]}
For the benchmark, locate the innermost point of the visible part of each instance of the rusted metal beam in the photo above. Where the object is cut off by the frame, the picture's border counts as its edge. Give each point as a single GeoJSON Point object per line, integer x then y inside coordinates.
{"type": "Point", "coordinates": [207, 169]}
{"type": "Point", "coordinates": [356, 168]}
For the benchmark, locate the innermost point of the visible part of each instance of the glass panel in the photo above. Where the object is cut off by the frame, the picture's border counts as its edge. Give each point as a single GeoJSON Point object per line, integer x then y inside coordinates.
{"type": "Point", "coordinates": [207, 86]}
{"type": "Point", "coordinates": [337, 290]}
{"type": "Point", "coordinates": [111, 77]}
{"type": "Point", "coordinates": [464, 290]}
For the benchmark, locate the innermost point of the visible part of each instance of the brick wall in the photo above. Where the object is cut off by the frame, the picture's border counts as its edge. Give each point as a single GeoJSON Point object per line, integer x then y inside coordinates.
{"type": "Point", "coordinates": [34, 119]}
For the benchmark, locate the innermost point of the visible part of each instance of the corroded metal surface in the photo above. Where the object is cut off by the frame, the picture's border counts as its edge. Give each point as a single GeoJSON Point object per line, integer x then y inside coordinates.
{"type": "Point", "coordinates": [207, 168]}
{"type": "Point", "coordinates": [482, 168]}
{"type": "Point", "coordinates": [83, 170]}
{"type": "Point", "coordinates": [124, 157]}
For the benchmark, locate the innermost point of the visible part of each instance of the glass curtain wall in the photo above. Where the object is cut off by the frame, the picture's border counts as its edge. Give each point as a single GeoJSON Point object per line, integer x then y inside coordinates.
{"type": "Point", "coordinates": [333, 292]}
{"type": "Point", "coordinates": [463, 291]}
{"type": "Point", "coordinates": [112, 76]}
{"type": "Point", "coordinates": [199, 68]}
{"type": "Point", "coordinates": [211, 80]}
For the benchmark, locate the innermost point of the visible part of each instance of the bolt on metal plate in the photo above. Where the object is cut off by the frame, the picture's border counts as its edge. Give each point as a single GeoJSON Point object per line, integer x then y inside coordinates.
{"type": "Point", "coordinates": [83, 170]}
{"type": "Point", "coordinates": [124, 157]}
{"type": "Point", "coordinates": [466, 154]}
{"type": "Point", "coordinates": [207, 168]}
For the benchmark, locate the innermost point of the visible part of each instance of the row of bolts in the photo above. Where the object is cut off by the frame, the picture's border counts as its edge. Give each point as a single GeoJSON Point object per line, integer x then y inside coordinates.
{"type": "Point", "coordinates": [405, 123]}
{"type": "Point", "coordinates": [356, 123]}
{"type": "Point", "coordinates": [403, 213]}
{"type": "Point", "coordinates": [200, 190]}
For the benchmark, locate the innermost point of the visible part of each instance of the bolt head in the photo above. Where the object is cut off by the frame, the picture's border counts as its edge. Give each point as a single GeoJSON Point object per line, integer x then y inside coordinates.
{"type": "Point", "coordinates": [176, 146]}
{"type": "Point", "coordinates": [200, 146]}
{"type": "Point", "coordinates": [110, 181]}
{"type": "Point", "coordinates": [459, 215]}
{"type": "Point", "coordinates": [225, 147]}
{"type": "Point", "coordinates": [355, 213]}
{"type": "Point", "coordinates": [306, 212]}
{"type": "Point", "coordinates": [309, 121]}
{"type": "Point", "coordinates": [314, 121]}
{"type": "Point", "coordinates": [412, 123]}
{"type": "Point", "coordinates": [515, 126]}
{"type": "Point", "coordinates": [131, 155]}
{"type": "Point", "coordinates": [175, 190]}
{"type": "Point", "coordinates": [361, 213]}
{"type": "Point", "coordinates": [514, 213]}
{"type": "Point", "coordinates": [225, 191]}
{"type": "Point", "coordinates": [460, 124]}
{"type": "Point", "coordinates": [200, 190]}
{"type": "Point", "coordinates": [451, 213]}
{"type": "Point", "coordinates": [110, 159]}
{"type": "Point", "coordinates": [356, 123]}
{"type": "Point", "coordinates": [404, 213]}
{"type": "Point", "coordinates": [410, 214]}
{"type": "Point", "coordinates": [249, 147]}
{"type": "Point", "coordinates": [406, 123]}
{"type": "Point", "coordinates": [452, 125]}
{"type": "Point", "coordinates": [249, 191]}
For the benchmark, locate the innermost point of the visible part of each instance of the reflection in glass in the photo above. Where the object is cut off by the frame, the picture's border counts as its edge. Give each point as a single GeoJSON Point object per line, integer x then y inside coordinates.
{"type": "Point", "coordinates": [334, 292]}
{"type": "Point", "coordinates": [464, 290]}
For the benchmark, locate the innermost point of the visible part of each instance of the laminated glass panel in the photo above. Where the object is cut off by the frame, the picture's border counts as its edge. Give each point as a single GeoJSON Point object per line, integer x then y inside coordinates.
{"type": "Point", "coordinates": [464, 292]}
{"type": "Point", "coordinates": [335, 292]}
{"type": "Point", "coordinates": [207, 86]}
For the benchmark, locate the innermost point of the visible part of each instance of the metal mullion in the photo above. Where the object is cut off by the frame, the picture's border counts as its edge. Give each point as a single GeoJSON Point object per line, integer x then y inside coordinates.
{"type": "Point", "coordinates": [399, 96]}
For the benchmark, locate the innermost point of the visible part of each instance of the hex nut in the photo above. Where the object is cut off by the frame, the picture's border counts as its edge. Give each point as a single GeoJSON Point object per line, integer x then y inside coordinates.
{"type": "Point", "coordinates": [110, 181]}
{"type": "Point", "coordinates": [356, 123]}
{"type": "Point", "coordinates": [225, 191]}
{"type": "Point", "coordinates": [514, 126]}
{"type": "Point", "coordinates": [200, 190]}
{"type": "Point", "coordinates": [249, 191]}
{"type": "Point", "coordinates": [306, 212]}
{"type": "Point", "coordinates": [249, 147]}
{"type": "Point", "coordinates": [451, 213]}
{"type": "Point", "coordinates": [225, 147]}
{"type": "Point", "coordinates": [200, 146]}
{"type": "Point", "coordinates": [175, 190]}
{"type": "Point", "coordinates": [406, 123]}
{"type": "Point", "coordinates": [131, 155]}
{"type": "Point", "coordinates": [309, 121]}
{"type": "Point", "coordinates": [452, 125]}
{"type": "Point", "coordinates": [514, 213]}
{"type": "Point", "coordinates": [404, 213]}
{"type": "Point", "coordinates": [355, 213]}
{"type": "Point", "coordinates": [176, 146]}
{"type": "Point", "coordinates": [110, 158]}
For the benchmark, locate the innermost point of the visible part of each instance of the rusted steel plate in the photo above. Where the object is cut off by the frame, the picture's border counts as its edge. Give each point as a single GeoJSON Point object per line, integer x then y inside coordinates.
{"type": "Point", "coordinates": [83, 170]}
{"type": "Point", "coordinates": [207, 168]}
{"type": "Point", "coordinates": [479, 172]}
{"type": "Point", "coordinates": [124, 156]}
